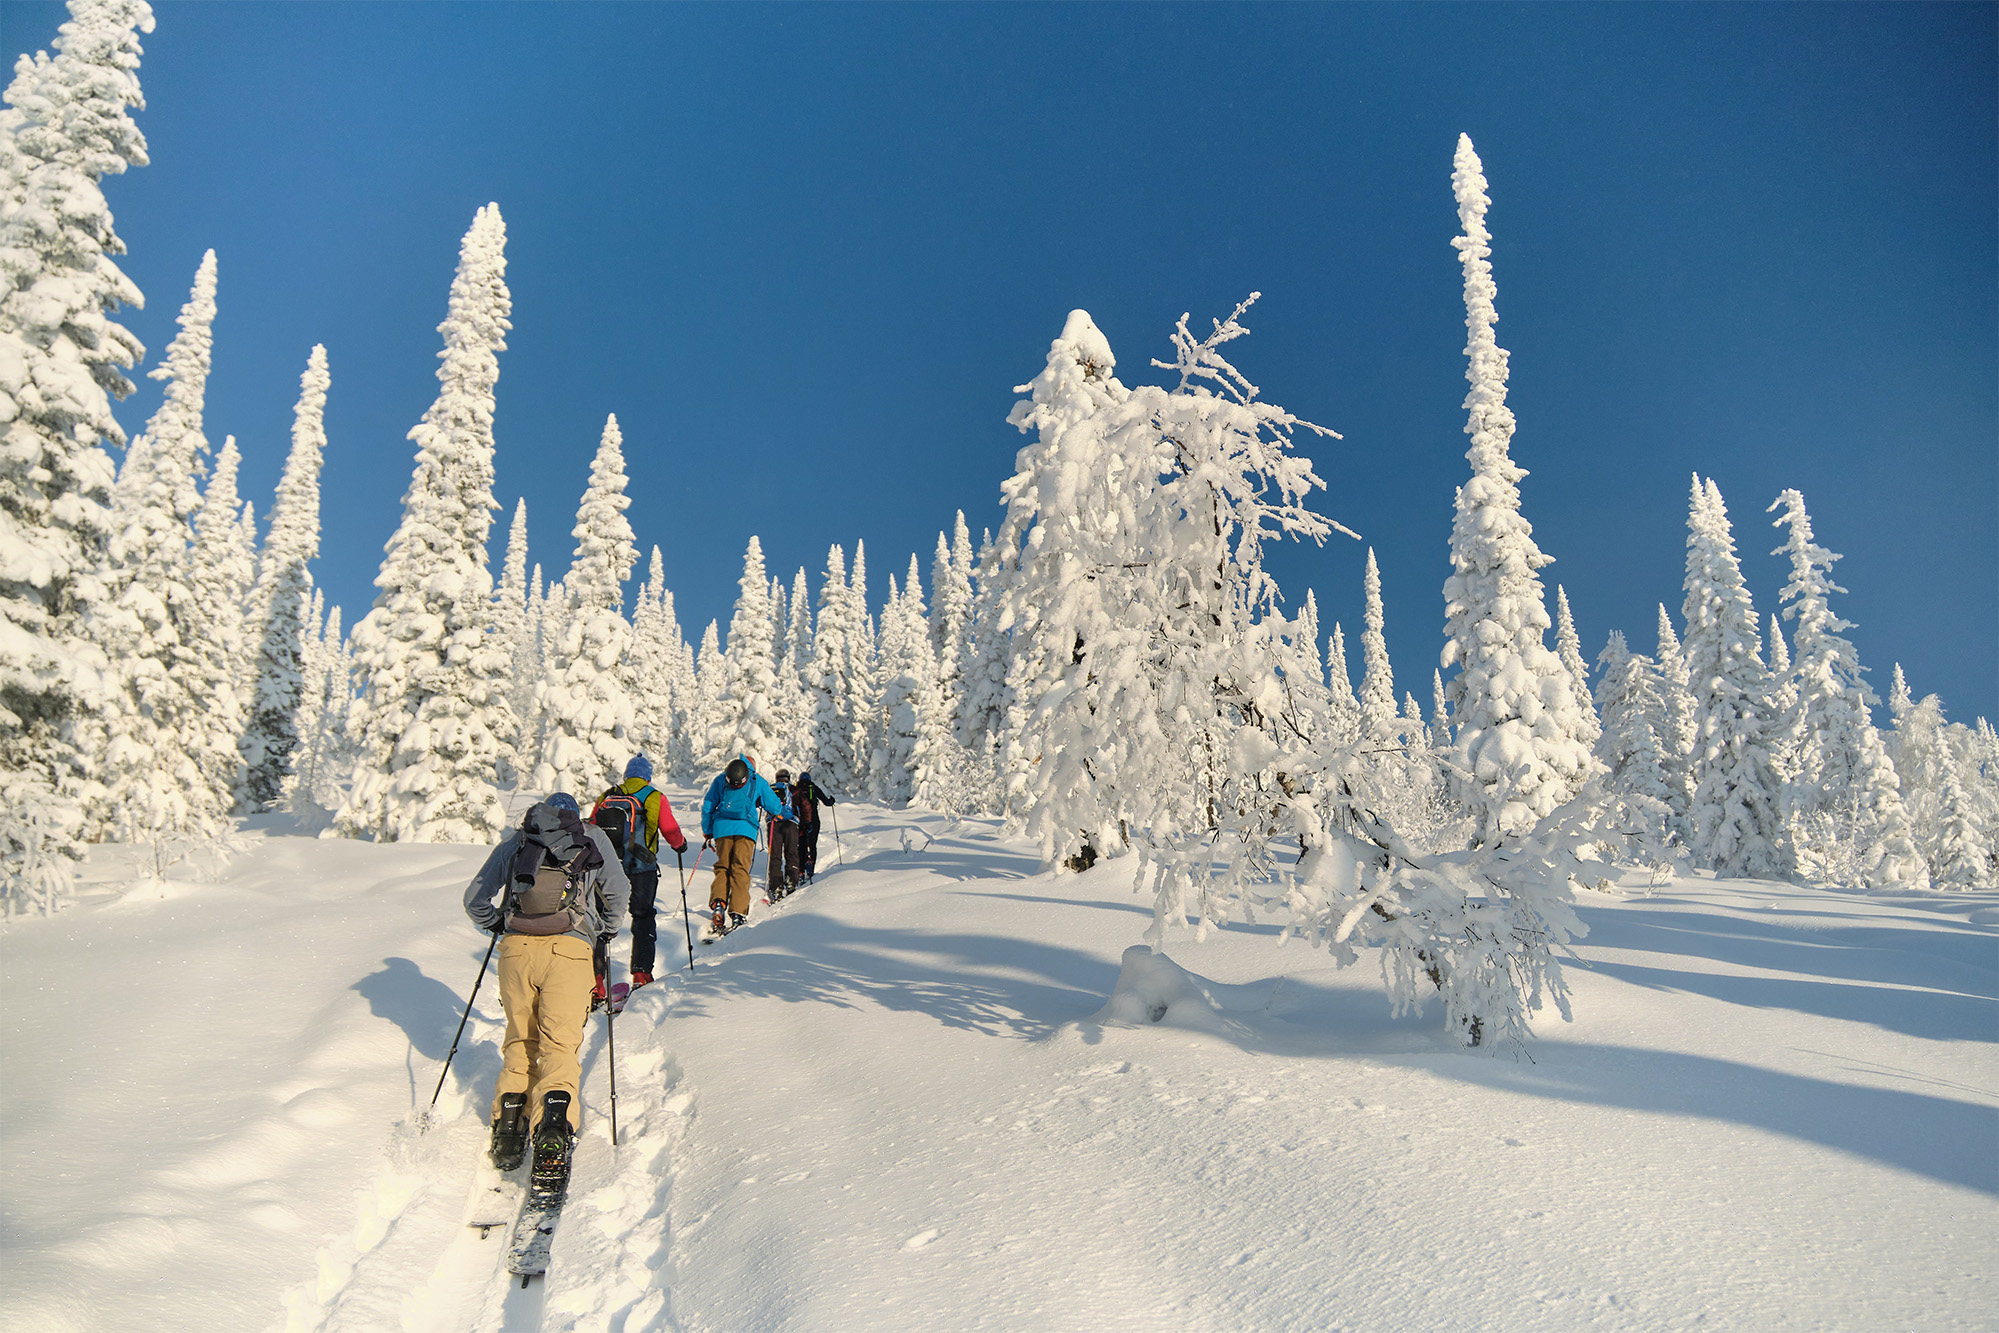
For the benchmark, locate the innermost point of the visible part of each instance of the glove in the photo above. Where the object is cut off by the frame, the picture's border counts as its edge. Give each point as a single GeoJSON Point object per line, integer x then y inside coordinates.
{"type": "Point", "coordinates": [604, 938]}
{"type": "Point", "coordinates": [681, 850]}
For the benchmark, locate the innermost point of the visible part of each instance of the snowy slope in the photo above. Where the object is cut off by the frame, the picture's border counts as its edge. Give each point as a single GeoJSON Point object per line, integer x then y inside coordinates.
{"type": "Point", "coordinates": [910, 1098]}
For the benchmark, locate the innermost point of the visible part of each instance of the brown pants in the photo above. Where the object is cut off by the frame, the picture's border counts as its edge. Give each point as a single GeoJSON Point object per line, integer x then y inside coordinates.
{"type": "Point", "coordinates": [545, 985]}
{"type": "Point", "coordinates": [732, 873]}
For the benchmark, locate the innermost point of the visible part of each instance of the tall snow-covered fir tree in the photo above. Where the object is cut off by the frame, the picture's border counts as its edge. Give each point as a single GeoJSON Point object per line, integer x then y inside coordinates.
{"type": "Point", "coordinates": [66, 125]}
{"type": "Point", "coordinates": [910, 763]}
{"type": "Point", "coordinates": [1377, 682]}
{"type": "Point", "coordinates": [1843, 789]}
{"type": "Point", "coordinates": [1345, 706]}
{"type": "Point", "coordinates": [1676, 735]}
{"type": "Point", "coordinates": [679, 747]}
{"type": "Point", "coordinates": [863, 704]}
{"type": "Point", "coordinates": [222, 568]}
{"type": "Point", "coordinates": [279, 602]}
{"type": "Point", "coordinates": [148, 782]}
{"type": "Point", "coordinates": [951, 615]}
{"type": "Point", "coordinates": [514, 622]}
{"type": "Point", "coordinates": [648, 678]}
{"type": "Point", "coordinates": [827, 680]}
{"type": "Point", "coordinates": [711, 676]}
{"type": "Point", "coordinates": [1738, 825]}
{"type": "Point", "coordinates": [1632, 713]}
{"type": "Point", "coordinates": [589, 726]}
{"type": "Point", "coordinates": [982, 710]}
{"type": "Point", "coordinates": [794, 660]}
{"type": "Point", "coordinates": [1569, 647]}
{"type": "Point", "coordinates": [432, 728]}
{"type": "Point", "coordinates": [745, 718]}
{"type": "Point", "coordinates": [1519, 751]}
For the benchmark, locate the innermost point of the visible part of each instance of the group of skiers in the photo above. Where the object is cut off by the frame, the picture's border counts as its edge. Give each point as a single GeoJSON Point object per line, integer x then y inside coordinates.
{"type": "Point", "coordinates": [556, 891]}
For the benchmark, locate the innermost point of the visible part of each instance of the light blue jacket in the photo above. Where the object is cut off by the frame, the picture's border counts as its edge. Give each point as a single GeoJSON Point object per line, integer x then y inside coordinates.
{"type": "Point", "coordinates": [731, 812]}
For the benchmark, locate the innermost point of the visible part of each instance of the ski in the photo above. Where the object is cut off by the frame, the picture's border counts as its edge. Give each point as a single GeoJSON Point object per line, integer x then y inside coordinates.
{"type": "Point", "coordinates": [494, 1202]}
{"type": "Point", "coordinates": [534, 1234]}
{"type": "Point", "coordinates": [620, 992]}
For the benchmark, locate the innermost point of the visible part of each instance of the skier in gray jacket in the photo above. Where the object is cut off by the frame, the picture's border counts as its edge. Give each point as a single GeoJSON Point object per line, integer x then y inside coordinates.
{"type": "Point", "coordinates": [546, 952]}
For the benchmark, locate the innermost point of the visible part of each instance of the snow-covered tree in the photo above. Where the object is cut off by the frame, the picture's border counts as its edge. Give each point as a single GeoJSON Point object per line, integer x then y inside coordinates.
{"type": "Point", "coordinates": [1519, 752]}
{"type": "Point", "coordinates": [1569, 647]}
{"type": "Point", "coordinates": [987, 657]}
{"type": "Point", "coordinates": [1377, 681]}
{"type": "Point", "coordinates": [1738, 827]}
{"type": "Point", "coordinates": [683, 689]}
{"type": "Point", "coordinates": [514, 620]}
{"type": "Point", "coordinates": [1836, 763]}
{"type": "Point", "coordinates": [1963, 853]}
{"type": "Point", "coordinates": [432, 728]}
{"type": "Point", "coordinates": [222, 567]}
{"type": "Point", "coordinates": [1345, 715]}
{"type": "Point", "coordinates": [67, 125]}
{"type": "Point", "coordinates": [1628, 746]}
{"type": "Point", "coordinates": [589, 729]}
{"type": "Point", "coordinates": [827, 679]}
{"type": "Point", "coordinates": [148, 780]}
{"type": "Point", "coordinates": [794, 666]}
{"type": "Point", "coordinates": [648, 678]}
{"type": "Point", "coordinates": [951, 614]}
{"type": "Point", "coordinates": [746, 721]}
{"type": "Point", "coordinates": [1676, 735]}
{"type": "Point", "coordinates": [863, 707]}
{"type": "Point", "coordinates": [711, 677]}
{"type": "Point", "coordinates": [279, 601]}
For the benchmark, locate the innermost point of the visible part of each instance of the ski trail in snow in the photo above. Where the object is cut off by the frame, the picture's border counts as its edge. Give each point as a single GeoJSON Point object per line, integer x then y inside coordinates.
{"type": "Point", "coordinates": [412, 1262]}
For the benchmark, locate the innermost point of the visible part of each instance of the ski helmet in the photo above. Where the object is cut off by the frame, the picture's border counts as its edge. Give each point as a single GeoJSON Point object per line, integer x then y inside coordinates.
{"type": "Point", "coordinates": [737, 773]}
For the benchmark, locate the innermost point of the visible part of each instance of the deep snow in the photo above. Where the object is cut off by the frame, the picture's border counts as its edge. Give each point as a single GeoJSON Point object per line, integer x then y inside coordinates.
{"type": "Point", "coordinates": [916, 1096]}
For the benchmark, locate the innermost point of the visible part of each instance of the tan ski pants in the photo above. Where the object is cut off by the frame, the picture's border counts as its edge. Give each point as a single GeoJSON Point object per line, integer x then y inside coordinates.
{"type": "Point", "coordinates": [545, 985]}
{"type": "Point", "coordinates": [732, 873]}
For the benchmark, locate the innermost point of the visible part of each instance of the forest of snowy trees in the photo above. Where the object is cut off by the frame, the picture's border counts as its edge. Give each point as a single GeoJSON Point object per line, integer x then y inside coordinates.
{"type": "Point", "coordinates": [1112, 672]}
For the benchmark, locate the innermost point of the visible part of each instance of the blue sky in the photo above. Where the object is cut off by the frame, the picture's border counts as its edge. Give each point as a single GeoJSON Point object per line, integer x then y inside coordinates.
{"type": "Point", "coordinates": [805, 253]}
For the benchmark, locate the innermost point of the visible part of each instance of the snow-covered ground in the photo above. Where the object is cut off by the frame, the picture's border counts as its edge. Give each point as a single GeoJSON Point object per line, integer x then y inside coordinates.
{"type": "Point", "coordinates": [911, 1098]}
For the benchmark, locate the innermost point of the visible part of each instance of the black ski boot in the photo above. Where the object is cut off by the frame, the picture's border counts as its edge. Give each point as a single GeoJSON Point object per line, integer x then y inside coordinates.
{"type": "Point", "coordinates": [736, 919]}
{"type": "Point", "coordinates": [510, 1132]}
{"type": "Point", "coordinates": [554, 1140]}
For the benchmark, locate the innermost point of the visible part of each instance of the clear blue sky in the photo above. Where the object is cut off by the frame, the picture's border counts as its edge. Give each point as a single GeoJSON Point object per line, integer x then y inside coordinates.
{"type": "Point", "coordinates": [805, 252]}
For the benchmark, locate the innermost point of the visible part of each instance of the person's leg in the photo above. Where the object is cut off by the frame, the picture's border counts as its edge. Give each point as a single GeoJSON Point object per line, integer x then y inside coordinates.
{"type": "Point", "coordinates": [517, 996]}
{"type": "Point", "coordinates": [790, 857]}
{"type": "Point", "coordinates": [564, 1005]}
{"type": "Point", "coordinates": [645, 921]}
{"type": "Point", "coordinates": [738, 854]}
{"type": "Point", "coordinates": [808, 847]}
{"type": "Point", "coordinates": [783, 845]}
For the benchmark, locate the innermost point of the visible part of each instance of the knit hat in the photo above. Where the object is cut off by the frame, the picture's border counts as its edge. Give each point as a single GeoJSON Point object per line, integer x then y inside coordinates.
{"type": "Point", "coordinates": [640, 768]}
{"type": "Point", "coordinates": [562, 800]}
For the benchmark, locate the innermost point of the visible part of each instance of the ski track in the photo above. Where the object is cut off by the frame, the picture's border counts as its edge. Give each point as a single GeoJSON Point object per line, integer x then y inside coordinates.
{"type": "Point", "coordinates": [410, 1262]}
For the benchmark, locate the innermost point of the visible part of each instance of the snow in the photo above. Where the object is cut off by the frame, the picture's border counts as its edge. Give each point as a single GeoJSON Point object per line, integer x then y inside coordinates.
{"type": "Point", "coordinates": [929, 1093]}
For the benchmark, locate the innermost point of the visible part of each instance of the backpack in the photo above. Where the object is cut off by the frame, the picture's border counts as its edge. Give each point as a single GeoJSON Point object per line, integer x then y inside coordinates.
{"type": "Point", "coordinates": [543, 890]}
{"type": "Point", "coordinates": [622, 816]}
{"type": "Point", "coordinates": [802, 803]}
{"type": "Point", "coordinates": [787, 796]}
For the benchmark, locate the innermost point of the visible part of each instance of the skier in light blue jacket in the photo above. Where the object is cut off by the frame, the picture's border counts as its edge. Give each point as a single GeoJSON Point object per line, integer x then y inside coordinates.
{"type": "Point", "coordinates": [729, 821]}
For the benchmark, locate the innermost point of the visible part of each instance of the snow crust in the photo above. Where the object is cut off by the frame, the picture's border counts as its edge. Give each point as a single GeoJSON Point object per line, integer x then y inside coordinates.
{"type": "Point", "coordinates": [915, 1097]}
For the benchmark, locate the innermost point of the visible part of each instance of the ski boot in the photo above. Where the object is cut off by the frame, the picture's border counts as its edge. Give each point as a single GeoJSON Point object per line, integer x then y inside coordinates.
{"type": "Point", "coordinates": [736, 919]}
{"type": "Point", "coordinates": [554, 1141]}
{"type": "Point", "coordinates": [598, 998]}
{"type": "Point", "coordinates": [641, 979]}
{"type": "Point", "coordinates": [719, 917]}
{"type": "Point", "coordinates": [510, 1132]}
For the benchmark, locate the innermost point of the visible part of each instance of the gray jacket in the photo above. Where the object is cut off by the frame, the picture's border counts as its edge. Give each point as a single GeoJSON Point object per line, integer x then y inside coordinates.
{"type": "Point", "coordinates": [607, 899]}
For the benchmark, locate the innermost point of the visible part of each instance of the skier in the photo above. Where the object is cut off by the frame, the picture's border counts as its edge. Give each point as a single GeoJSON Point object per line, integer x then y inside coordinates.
{"type": "Point", "coordinates": [636, 805]}
{"type": "Point", "coordinates": [781, 836]}
{"type": "Point", "coordinates": [729, 823]}
{"type": "Point", "coordinates": [560, 892]}
{"type": "Point", "coordinates": [806, 798]}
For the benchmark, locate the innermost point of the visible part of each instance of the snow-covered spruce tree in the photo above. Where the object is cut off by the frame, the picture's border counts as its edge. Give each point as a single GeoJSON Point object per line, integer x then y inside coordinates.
{"type": "Point", "coordinates": [987, 654]}
{"type": "Point", "coordinates": [711, 677]}
{"type": "Point", "coordinates": [1519, 752]}
{"type": "Point", "coordinates": [827, 680]}
{"type": "Point", "coordinates": [1738, 825]}
{"type": "Point", "coordinates": [951, 614]}
{"type": "Point", "coordinates": [794, 662]}
{"type": "Point", "coordinates": [222, 568]}
{"type": "Point", "coordinates": [1067, 597]}
{"type": "Point", "coordinates": [432, 728]}
{"type": "Point", "coordinates": [1377, 682]}
{"type": "Point", "coordinates": [1569, 647]}
{"type": "Point", "coordinates": [1440, 710]}
{"type": "Point", "coordinates": [514, 622]}
{"type": "Point", "coordinates": [678, 748]}
{"type": "Point", "coordinates": [147, 782]}
{"type": "Point", "coordinates": [647, 679]}
{"type": "Point", "coordinates": [1628, 746]}
{"type": "Point", "coordinates": [1676, 734]}
{"type": "Point", "coordinates": [67, 124]}
{"type": "Point", "coordinates": [863, 715]}
{"type": "Point", "coordinates": [1963, 855]}
{"type": "Point", "coordinates": [745, 719]}
{"type": "Point", "coordinates": [1345, 707]}
{"type": "Point", "coordinates": [278, 602]}
{"type": "Point", "coordinates": [1838, 768]}
{"type": "Point", "coordinates": [913, 761]}
{"type": "Point", "coordinates": [589, 734]}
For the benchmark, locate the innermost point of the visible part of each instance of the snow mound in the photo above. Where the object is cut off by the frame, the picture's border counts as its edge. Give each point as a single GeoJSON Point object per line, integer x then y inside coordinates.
{"type": "Point", "coordinates": [1153, 989]}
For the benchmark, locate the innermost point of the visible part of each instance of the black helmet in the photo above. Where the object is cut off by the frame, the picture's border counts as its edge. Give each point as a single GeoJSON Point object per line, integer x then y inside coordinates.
{"type": "Point", "coordinates": [737, 773]}
{"type": "Point", "coordinates": [784, 775]}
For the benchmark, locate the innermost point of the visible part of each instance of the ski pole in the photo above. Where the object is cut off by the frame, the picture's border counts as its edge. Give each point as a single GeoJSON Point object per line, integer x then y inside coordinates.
{"type": "Point", "coordinates": [838, 846]}
{"type": "Point", "coordinates": [611, 1049]}
{"type": "Point", "coordinates": [461, 1029]}
{"type": "Point", "coordinates": [685, 910]}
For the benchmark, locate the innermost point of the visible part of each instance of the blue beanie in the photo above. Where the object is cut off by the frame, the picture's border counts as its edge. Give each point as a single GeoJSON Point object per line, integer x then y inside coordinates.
{"type": "Point", "coordinates": [562, 800]}
{"type": "Point", "coordinates": [640, 768]}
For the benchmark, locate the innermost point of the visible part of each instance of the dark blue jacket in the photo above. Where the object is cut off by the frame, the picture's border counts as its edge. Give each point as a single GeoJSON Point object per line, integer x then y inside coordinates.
{"type": "Point", "coordinates": [731, 812]}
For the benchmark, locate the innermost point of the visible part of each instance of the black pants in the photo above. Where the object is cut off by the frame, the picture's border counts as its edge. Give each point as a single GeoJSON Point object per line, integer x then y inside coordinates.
{"type": "Point", "coordinates": [645, 924]}
{"type": "Point", "coordinates": [783, 858]}
{"type": "Point", "coordinates": [808, 847]}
